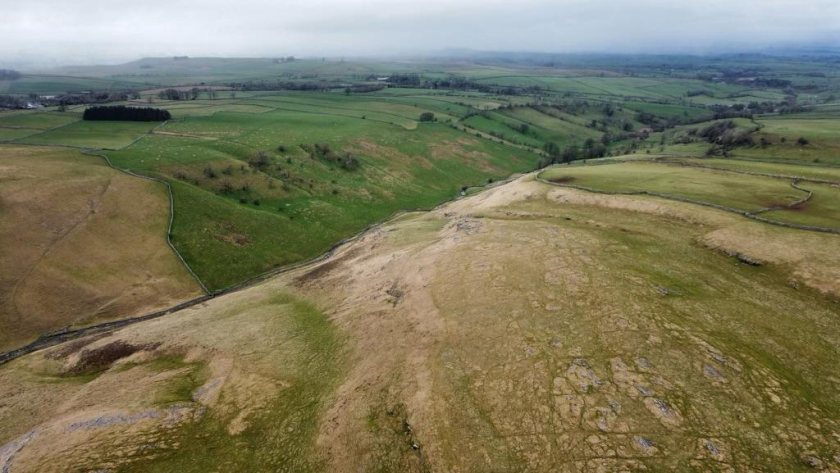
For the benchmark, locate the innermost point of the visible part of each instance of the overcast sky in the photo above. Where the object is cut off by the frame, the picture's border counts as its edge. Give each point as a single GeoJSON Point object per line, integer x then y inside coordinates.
{"type": "Point", "coordinates": [73, 31]}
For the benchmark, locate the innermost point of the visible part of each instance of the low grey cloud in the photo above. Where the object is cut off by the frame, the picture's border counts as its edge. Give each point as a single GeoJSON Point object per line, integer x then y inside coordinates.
{"type": "Point", "coordinates": [62, 31]}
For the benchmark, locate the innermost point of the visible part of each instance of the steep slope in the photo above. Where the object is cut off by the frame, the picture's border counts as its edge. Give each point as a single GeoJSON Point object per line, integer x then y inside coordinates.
{"type": "Point", "coordinates": [80, 243]}
{"type": "Point", "coordinates": [526, 328]}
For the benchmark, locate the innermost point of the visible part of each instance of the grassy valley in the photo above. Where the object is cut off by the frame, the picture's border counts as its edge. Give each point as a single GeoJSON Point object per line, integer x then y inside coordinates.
{"type": "Point", "coordinates": [533, 263]}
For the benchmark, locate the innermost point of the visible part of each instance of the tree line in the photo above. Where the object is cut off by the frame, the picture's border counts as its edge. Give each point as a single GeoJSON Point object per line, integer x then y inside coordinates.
{"type": "Point", "coordinates": [9, 74]}
{"type": "Point", "coordinates": [190, 94]}
{"type": "Point", "coordinates": [281, 85]}
{"type": "Point", "coordinates": [20, 101]}
{"type": "Point", "coordinates": [123, 113]}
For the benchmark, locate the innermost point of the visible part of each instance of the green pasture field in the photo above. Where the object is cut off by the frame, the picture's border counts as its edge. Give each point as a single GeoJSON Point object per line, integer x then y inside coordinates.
{"type": "Point", "coordinates": [15, 133]}
{"type": "Point", "coordinates": [779, 168]}
{"type": "Point", "coordinates": [822, 210]}
{"type": "Point", "coordinates": [822, 135]}
{"type": "Point", "coordinates": [739, 191]}
{"type": "Point", "coordinates": [92, 134]}
{"type": "Point", "coordinates": [234, 221]}
{"type": "Point", "coordinates": [666, 110]}
{"type": "Point", "coordinates": [549, 128]}
{"type": "Point", "coordinates": [36, 120]}
{"type": "Point", "coordinates": [497, 127]}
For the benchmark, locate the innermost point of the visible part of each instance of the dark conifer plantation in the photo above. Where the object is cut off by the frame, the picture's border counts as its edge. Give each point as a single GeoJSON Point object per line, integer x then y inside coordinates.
{"type": "Point", "coordinates": [123, 113]}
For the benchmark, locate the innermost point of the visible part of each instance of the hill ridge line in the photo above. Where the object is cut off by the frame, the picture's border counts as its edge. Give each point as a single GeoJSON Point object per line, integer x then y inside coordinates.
{"type": "Point", "coordinates": [55, 338]}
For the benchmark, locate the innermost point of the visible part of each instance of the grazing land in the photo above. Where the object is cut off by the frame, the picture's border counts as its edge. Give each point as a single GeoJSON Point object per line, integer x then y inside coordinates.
{"type": "Point", "coordinates": [528, 327]}
{"type": "Point", "coordinates": [566, 263]}
{"type": "Point", "coordinates": [81, 243]}
{"type": "Point", "coordinates": [779, 198]}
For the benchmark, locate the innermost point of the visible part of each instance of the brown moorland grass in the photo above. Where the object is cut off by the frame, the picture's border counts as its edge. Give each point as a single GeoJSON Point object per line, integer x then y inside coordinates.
{"type": "Point", "coordinates": [81, 243]}
{"type": "Point", "coordinates": [525, 328]}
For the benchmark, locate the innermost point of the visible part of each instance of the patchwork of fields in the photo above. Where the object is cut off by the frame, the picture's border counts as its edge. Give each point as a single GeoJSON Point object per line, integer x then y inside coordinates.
{"type": "Point", "coordinates": [419, 267]}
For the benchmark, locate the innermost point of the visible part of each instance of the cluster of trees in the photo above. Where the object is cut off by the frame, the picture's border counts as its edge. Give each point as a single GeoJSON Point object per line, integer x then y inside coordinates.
{"type": "Point", "coordinates": [724, 134]}
{"type": "Point", "coordinates": [12, 101]}
{"type": "Point", "coordinates": [17, 102]}
{"type": "Point", "coordinates": [323, 152]}
{"type": "Point", "coordinates": [9, 74]}
{"type": "Point", "coordinates": [92, 97]}
{"type": "Point", "coordinates": [363, 88]}
{"type": "Point", "coordinates": [123, 113]}
{"type": "Point", "coordinates": [772, 82]}
{"type": "Point", "coordinates": [260, 161]}
{"type": "Point", "coordinates": [740, 110]}
{"type": "Point", "coordinates": [456, 83]}
{"type": "Point", "coordinates": [281, 85]}
{"type": "Point", "coordinates": [746, 77]}
{"type": "Point", "coordinates": [657, 123]}
{"type": "Point", "coordinates": [175, 94]}
{"type": "Point", "coordinates": [590, 149]}
{"type": "Point", "coordinates": [406, 80]}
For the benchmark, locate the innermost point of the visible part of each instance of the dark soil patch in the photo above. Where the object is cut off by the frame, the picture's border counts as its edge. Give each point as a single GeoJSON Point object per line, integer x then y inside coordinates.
{"type": "Point", "coordinates": [776, 205]}
{"type": "Point", "coordinates": [324, 269]}
{"type": "Point", "coordinates": [101, 358]}
{"type": "Point", "coordinates": [561, 179]}
{"type": "Point", "coordinates": [801, 207]}
{"type": "Point", "coordinates": [236, 239]}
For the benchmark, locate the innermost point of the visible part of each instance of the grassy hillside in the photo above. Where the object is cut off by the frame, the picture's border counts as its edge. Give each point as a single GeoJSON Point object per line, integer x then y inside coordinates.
{"type": "Point", "coordinates": [82, 243]}
{"type": "Point", "coordinates": [239, 214]}
{"type": "Point", "coordinates": [252, 193]}
{"type": "Point", "coordinates": [526, 328]}
{"type": "Point", "coordinates": [778, 197]}
{"type": "Point", "coordinates": [652, 301]}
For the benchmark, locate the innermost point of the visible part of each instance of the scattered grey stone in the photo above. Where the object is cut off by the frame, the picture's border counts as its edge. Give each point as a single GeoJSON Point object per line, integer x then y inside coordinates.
{"type": "Point", "coordinates": [468, 226]}
{"type": "Point", "coordinates": [663, 407]}
{"type": "Point", "coordinates": [109, 420]}
{"type": "Point", "coordinates": [745, 258]}
{"type": "Point", "coordinates": [395, 292]}
{"type": "Point", "coordinates": [615, 405]}
{"type": "Point", "coordinates": [644, 390]}
{"type": "Point", "coordinates": [812, 460]}
{"type": "Point", "coordinates": [717, 357]}
{"type": "Point", "coordinates": [170, 415]}
{"type": "Point", "coordinates": [581, 362]}
{"type": "Point", "coordinates": [588, 378]}
{"type": "Point", "coordinates": [712, 448]}
{"type": "Point", "coordinates": [643, 363]}
{"type": "Point", "coordinates": [712, 372]}
{"type": "Point", "coordinates": [662, 290]}
{"type": "Point", "coordinates": [644, 442]}
{"type": "Point", "coordinates": [9, 450]}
